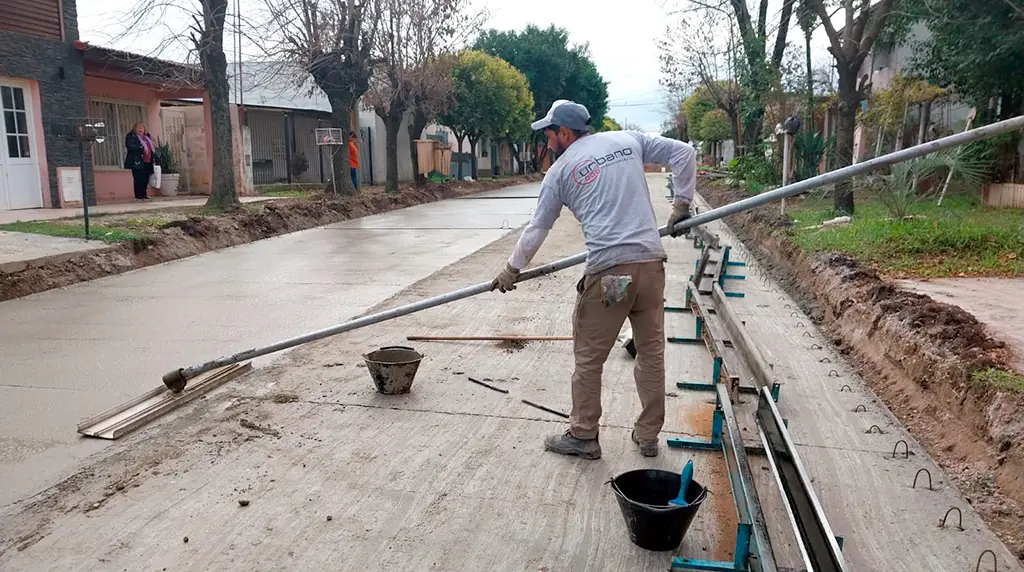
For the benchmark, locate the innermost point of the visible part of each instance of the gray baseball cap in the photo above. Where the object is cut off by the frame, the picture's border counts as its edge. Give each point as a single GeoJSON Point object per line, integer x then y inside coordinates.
{"type": "Point", "coordinates": [564, 113]}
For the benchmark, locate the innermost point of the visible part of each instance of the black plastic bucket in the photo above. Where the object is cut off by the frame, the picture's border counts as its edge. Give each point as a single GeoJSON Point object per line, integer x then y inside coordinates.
{"type": "Point", "coordinates": [644, 496]}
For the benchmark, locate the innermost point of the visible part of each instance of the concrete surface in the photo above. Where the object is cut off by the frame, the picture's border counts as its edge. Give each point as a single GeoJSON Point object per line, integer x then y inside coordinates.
{"type": "Point", "coordinates": [7, 217]}
{"type": "Point", "coordinates": [449, 477]}
{"type": "Point", "coordinates": [19, 250]}
{"type": "Point", "coordinates": [997, 302]}
{"type": "Point", "coordinates": [866, 494]}
{"type": "Point", "coordinates": [74, 352]}
{"type": "Point", "coordinates": [452, 475]}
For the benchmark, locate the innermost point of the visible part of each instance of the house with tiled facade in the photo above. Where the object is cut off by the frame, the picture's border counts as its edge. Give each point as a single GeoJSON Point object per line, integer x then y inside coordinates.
{"type": "Point", "coordinates": [48, 78]}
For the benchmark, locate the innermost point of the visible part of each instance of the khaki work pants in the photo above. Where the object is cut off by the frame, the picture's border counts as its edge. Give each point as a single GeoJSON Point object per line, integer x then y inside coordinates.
{"type": "Point", "coordinates": [596, 325]}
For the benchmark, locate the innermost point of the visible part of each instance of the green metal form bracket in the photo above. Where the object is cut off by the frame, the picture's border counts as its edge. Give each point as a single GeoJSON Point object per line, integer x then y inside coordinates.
{"type": "Point", "coordinates": [698, 337]}
{"type": "Point", "coordinates": [749, 542]}
{"type": "Point", "coordinates": [739, 563]}
{"type": "Point", "coordinates": [716, 373]}
{"type": "Point", "coordinates": [715, 444]}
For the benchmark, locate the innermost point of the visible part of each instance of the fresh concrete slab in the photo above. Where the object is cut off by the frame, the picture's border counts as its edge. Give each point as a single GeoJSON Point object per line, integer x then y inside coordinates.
{"type": "Point", "coordinates": [19, 250]}
{"type": "Point", "coordinates": [72, 353]}
{"type": "Point", "coordinates": [452, 475]}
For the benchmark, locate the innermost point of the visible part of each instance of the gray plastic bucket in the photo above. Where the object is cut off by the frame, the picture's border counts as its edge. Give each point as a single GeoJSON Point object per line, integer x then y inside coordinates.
{"type": "Point", "coordinates": [652, 522]}
{"type": "Point", "coordinates": [393, 368]}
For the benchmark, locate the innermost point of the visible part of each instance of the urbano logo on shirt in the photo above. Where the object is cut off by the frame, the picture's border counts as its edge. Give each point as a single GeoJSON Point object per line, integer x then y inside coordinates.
{"type": "Point", "coordinates": [587, 170]}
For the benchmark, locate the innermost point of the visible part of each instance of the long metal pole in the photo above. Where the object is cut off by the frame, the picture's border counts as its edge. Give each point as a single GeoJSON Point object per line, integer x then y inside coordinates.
{"type": "Point", "coordinates": [176, 379]}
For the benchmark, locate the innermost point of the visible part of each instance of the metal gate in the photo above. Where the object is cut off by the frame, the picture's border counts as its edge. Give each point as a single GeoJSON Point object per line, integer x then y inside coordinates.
{"type": "Point", "coordinates": [269, 161]}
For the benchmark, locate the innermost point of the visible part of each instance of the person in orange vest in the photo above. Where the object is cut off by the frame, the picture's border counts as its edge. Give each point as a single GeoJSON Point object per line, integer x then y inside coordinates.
{"type": "Point", "coordinates": [353, 157]}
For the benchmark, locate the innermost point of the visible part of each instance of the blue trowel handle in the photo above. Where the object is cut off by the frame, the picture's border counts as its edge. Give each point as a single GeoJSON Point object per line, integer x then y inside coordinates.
{"type": "Point", "coordinates": [684, 484]}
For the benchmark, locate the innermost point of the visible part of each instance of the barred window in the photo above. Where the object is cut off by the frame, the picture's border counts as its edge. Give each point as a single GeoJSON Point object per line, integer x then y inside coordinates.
{"type": "Point", "coordinates": [120, 118]}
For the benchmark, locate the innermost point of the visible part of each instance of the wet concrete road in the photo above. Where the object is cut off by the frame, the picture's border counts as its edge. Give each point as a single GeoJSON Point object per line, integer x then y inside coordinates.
{"type": "Point", "coordinates": [70, 354]}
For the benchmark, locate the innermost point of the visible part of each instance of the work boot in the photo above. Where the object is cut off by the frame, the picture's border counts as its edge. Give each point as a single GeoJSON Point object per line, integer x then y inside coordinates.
{"type": "Point", "coordinates": [566, 444]}
{"type": "Point", "coordinates": [647, 448]}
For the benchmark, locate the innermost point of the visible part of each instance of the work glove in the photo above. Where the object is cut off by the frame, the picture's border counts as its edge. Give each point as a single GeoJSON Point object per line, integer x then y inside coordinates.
{"type": "Point", "coordinates": [680, 212]}
{"type": "Point", "coordinates": [506, 280]}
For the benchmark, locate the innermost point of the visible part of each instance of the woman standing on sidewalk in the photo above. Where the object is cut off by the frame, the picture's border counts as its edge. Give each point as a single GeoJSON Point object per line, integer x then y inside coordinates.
{"type": "Point", "coordinates": [140, 158]}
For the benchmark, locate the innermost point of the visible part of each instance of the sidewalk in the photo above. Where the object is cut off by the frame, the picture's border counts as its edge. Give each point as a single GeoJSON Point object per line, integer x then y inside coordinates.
{"type": "Point", "coordinates": [19, 250]}
{"type": "Point", "coordinates": [7, 217]}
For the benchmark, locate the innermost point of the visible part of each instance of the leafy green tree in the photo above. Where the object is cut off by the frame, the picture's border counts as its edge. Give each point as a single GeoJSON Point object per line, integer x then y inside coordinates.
{"type": "Point", "coordinates": [555, 69]}
{"type": "Point", "coordinates": [492, 99]}
{"type": "Point", "coordinates": [609, 124]}
{"type": "Point", "coordinates": [976, 47]}
{"type": "Point", "coordinates": [714, 128]}
{"type": "Point", "coordinates": [695, 107]}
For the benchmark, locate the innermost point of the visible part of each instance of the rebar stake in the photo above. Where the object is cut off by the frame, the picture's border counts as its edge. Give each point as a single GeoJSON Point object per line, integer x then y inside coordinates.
{"type": "Point", "coordinates": [906, 451]}
{"type": "Point", "coordinates": [995, 563]}
{"type": "Point", "coordinates": [816, 346]}
{"type": "Point", "coordinates": [927, 472]}
{"type": "Point", "coordinates": [846, 388]}
{"type": "Point", "coordinates": [836, 372]}
{"type": "Point", "coordinates": [860, 407]}
{"type": "Point", "coordinates": [872, 429]}
{"type": "Point", "coordinates": [960, 525]}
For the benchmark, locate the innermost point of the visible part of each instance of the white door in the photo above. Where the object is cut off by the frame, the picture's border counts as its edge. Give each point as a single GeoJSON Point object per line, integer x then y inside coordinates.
{"type": "Point", "coordinates": [20, 187]}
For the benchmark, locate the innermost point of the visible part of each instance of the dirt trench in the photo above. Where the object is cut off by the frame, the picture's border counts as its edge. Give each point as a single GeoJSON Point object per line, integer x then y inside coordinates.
{"type": "Point", "coordinates": [917, 354]}
{"type": "Point", "coordinates": [196, 235]}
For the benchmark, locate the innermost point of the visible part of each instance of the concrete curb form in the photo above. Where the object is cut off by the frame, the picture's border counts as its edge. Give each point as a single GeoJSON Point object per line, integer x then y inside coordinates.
{"type": "Point", "coordinates": [742, 341]}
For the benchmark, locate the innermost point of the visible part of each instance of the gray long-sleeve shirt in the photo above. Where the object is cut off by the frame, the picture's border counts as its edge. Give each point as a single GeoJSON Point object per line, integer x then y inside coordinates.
{"type": "Point", "coordinates": [601, 179]}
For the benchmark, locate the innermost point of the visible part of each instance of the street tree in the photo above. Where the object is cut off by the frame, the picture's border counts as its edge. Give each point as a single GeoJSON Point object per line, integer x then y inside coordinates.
{"type": "Point", "coordinates": [408, 75]}
{"type": "Point", "coordinates": [492, 98]}
{"type": "Point", "coordinates": [332, 41]}
{"type": "Point", "coordinates": [432, 94]}
{"type": "Point", "coordinates": [713, 129]}
{"type": "Point", "coordinates": [756, 69]}
{"type": "Point", "coordinates": [808, 21]}
{"type": "Point", "coordinates": [698, 53]}
{"type": "Point", "coordinates": [889, 107]}
{"type": "Point", "coordinates": [205, 43]}
{"type": "Point", "coordinates": [975, 49]}
{"type": "Point", "coordinates": [850, 46]}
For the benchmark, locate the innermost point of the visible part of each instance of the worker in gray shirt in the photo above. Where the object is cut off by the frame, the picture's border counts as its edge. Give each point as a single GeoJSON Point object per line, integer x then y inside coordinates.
{"type": "Point", "coordinates": [601, 179]}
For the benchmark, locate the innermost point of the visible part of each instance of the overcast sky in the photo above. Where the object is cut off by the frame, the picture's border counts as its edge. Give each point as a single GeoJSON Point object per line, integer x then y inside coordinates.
{"type": "Point", "coordinates": [622, 36]}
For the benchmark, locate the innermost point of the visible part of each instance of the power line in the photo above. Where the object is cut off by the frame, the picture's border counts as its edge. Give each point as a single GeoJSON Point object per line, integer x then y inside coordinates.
{"type": "Point", "coordinates": [636, 96]}
{"type": "Point", "coordinates": [637, 104]}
